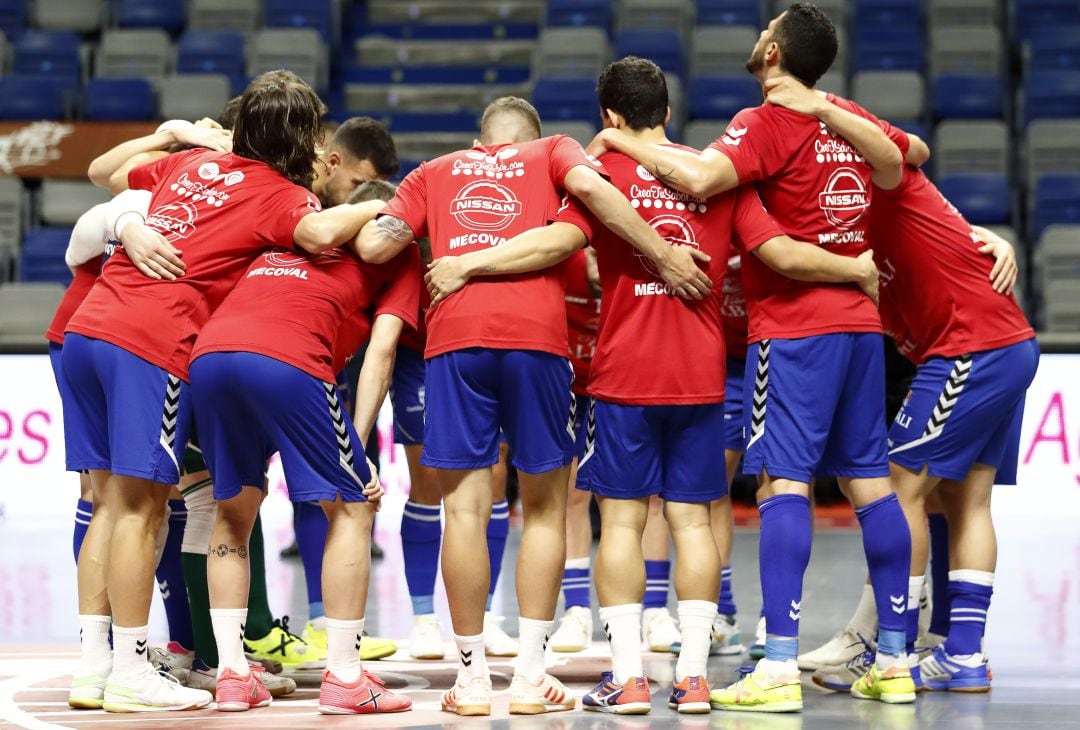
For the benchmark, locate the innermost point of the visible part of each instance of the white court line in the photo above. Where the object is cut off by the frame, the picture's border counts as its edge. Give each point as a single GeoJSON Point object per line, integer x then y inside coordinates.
{"type": "Point", "coordinates": [11, 711]}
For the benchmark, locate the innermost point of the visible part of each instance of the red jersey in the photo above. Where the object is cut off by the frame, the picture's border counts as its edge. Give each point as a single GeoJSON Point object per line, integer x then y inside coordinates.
{"type": "Point", "coordinates": [582, 319]}
{"type": "Point", "coordinates": [818, 189]}
{"type": "Point", "coordinates": [473, 199]}
{"type": "Point", "coordinates": [936, 296]}
{"type": "Point", "coordinates": [85, 276]}
{"type": "Point", "coordinates": [311, 311]}
{"type": "Point", "coordinates": [220, 210]}
{"type": "Point", "coordinates": [734, 309]}
{"type": "Point", "coordinates": [655, 348]}
{"type": "Point", "coordinates": [415, 338]}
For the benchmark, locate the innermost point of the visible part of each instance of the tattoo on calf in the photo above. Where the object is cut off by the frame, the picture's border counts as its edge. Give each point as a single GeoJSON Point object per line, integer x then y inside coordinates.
{"type": "Point", "coordinates": [223, 551]}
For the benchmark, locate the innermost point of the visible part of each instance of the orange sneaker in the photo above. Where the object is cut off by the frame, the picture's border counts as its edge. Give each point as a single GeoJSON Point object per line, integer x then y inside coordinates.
{"type": "Point", "coordinates": [366, 696]}
{"type": "Point", "coordinates": [632, 698]}
{"type": "Point", "coordinates": [690, 696]}
{"type": "Point", "coordinates": [236, 693]}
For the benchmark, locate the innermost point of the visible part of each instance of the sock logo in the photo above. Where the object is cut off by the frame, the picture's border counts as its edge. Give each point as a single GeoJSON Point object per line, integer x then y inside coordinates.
{"type": "Point", "coordinates": [607, 631]}
{"type": "Point", "coordinates": [796, 611]}
{"type": "Point", "coordinates": [359, 638]}
{"type": "Point", "coordinates": [898, 604]}
{"type": "Point", "coordinates": [140, 647]}
{"type": "Point", "coordinates": [546, 637]}
{"type": "Point", "coordinates": [466, 658]}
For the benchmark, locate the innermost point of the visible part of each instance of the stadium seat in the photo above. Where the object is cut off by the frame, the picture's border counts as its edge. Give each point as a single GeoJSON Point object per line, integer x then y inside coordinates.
{"type": "Point", "coordinates": [1053, 146]}
{"type": "Point", "coordinates": [300, 50]}
{"type": "Point", "coordinates": [12, 195]}
{"type": "Point", "coordinates": [839, 11]}
{"type": "Point", "coordinates": [428, 145]}
{"type": "Point", "coordinates": [966, 51]}
{"type": "Point", "coordinates": [192, 96]}
{"type": "Point", "coordinates": [1056, 260]}
{"type": "Point", "coordinates": [1056, 200]}
{"type": "Point", "coordinates": [117, 99]}
{"type": "Point", "coordinates": [890, 94]}
{"type": "Point", "coordinates": [25, 312]}
{"type": "Point", "coordinates": [722, 97]}
{"type": "Point", "coordinates": [128, 53]}
{"type": "Point", "coordinates": [701, 134]}
{"type": "Point", "coordinates": [1031, 15]}
{"type": "Point", "coordinates": [886, 12]}
{"type": "Point", "coordinates": [982, 198]}
{"type": "Point", "coordinates": [572, 52]}
{"type": "Point", "coordinates": [663, 47]}
{"type": "Point", "coordinates": [315, 14]}
{"type": "Point", "coordinates": [721, 50]}
{"type": "Point", "coordinates": [1061, 312]}
{"type": "Point", "coordinates": [54, 54]}
{"type": "Point", "coordinates": [1054, 47]}
{"type": "Point", "coordinates": [676, 15]}
{"type": "Point", "coordinates": [216, 52]}
{"type": "Point", "coordinates": [968, 13]}
{"type": "Point", "coordinates": [834, 82]}
{"type": "Point", "coordinates": [379, 51]}
{"type": "Point", "coordinates": [42, 257]}
{"type": "Point", "coordinates": [887, 48]}
{"type": "Point", "coordinates": [435, 12]}
{"type": "Point", "coordinates": [1051, 94]}
{"type": "Point", "coordinates": [582, 132]}
{"type": "Point", "coordinates": [83, 16]}
{"type": "Point", "coordinates": [968, 97]}
{"type": "Point", "coordinates": [61, 202]}
{"type": "Point", "coordinates": [28, 97]}
{"type": "Point", "coordinates": [972, 147]}
{"type": "Point", "coordinates": [566, 99]}
{"type": "Point", "coordinates": [165, 14]}
{"type": "Point", "coordinates": [13, 18]}
{"type": "Point", "coordinates": [433, 98]}
{"type": "Point", "coordinates": [729, 12]}
{"type": "Point", "coordinates": [237, 15]}
{"type": "Point", "coordinates": [579, 12]}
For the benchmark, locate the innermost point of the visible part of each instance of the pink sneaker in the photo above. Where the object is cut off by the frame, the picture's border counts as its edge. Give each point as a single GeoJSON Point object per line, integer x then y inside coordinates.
{"type": "Point", "coordinates": [367, 695]}
{"type": "Point", "coordinates": [236, 693]}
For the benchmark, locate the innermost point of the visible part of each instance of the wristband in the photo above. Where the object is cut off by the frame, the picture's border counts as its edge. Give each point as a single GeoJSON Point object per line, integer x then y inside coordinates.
{"type": "Point", "coordinates": [122, 220]}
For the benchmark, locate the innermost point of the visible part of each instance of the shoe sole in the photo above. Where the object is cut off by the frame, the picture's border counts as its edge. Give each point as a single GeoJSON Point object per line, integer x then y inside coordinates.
{"type": "Point", "coordinates": [537, 708]}
{"type": "Point", "coordinates": [469, 710]}
{"type": "Point", "coordinates": [769, 707]}
{"type": "Point", "coordinates": [691, 708]}
{"type": "Point", "coordinates": [630, 708]}
{"type": "Point", "coordinates": [503, 654]}
{"type": "Point", "coordinates": [948, 687]}
{"type": "Point", "coordinates": [430, 656]}
{"type": "Point", "coordinates": [132, 707]}
{"type": "Point", "coordinates": [834, 687]}
{"type": "Point", "coordinates": [240, 706]}
{"type": "Point", "coordinates": [375, 656]}
{"type": "Point", "coordinates": [567, 649]}
{"type": "Point", "coordinates": [332, 710]}
{"type": "Point", "coordinates": [889, 698]}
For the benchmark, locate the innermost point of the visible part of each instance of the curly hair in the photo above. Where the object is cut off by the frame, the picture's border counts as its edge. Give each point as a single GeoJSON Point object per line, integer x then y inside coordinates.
{"type": "Point", "coordinates": [279, 123]}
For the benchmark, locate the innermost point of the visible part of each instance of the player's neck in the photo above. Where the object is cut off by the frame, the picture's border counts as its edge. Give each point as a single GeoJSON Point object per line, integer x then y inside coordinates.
{"type": "Point", "coordinates": [655, 135]}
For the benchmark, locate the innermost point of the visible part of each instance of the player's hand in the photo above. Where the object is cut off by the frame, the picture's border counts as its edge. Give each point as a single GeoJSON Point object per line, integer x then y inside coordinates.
{"type": "Point", "coordinates": [601, 142]}
{"type": "Point", "coordinates": [790, 93]}
{"type": "Point", "coordinates": [592, 270]}
{"type": "Point", "coordinates": [151, 253]}
{"type": "Point", "coordinates": [219, 140]}
{"type": "Point", "coordinates": [208, 123]}
{"type": "Point", "coordinates": [444, 277]}
{"type": "Point", "coordinates": [1003, 275]}
{"type": "Point", "coordinates": [373, 490]}
{"type": "Point", "coordinates": [870, 278]}
{"type": "Point", "coordinates": [682, 272]}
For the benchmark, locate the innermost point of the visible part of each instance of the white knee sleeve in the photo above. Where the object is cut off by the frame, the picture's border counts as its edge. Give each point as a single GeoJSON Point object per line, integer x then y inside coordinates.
{"type": "Point", "coordinates": [202, 511]}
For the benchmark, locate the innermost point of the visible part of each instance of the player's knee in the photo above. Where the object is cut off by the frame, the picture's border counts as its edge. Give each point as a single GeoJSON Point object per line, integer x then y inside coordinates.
{"type": "Point", "coordinates": [202, 511]}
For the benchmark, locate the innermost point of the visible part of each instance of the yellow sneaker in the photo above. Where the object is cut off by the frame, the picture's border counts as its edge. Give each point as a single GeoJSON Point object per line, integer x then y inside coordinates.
{"type": "Point", "coordinates": [893, 685]}
{"type": "Point", "coordinates": [371, 647]}
{"type": "Point", "coordinates": [290, 650]}
{"type": "Point", "coordinates": [757, 692]}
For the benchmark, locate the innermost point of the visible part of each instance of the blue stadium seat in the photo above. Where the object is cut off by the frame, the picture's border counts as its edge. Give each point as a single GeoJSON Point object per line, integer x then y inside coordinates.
{"type": "Point", "coordinates": [968, 97]}
{"type": "Point", "coordinates": [54, 54]}
{"type": "Point", "coordinates": [401, 122]}
{"type": "Point", "coordinates": [911, 126]}
{"type": "Point", "coordinates": [722, 97]}
{"type": "Point", "coordinates": [983, 199]}
{"type": "Point", "coordinates": [165, 14]}
{"type": "Point", "coordinates": [317, 14]}
{"type": "Point", "coordinates": [27, 98]}
{"type": "Point", "coordinates": [13, 18]}
{"type": "Point", "coordinates": [436, 75]}
{"type": "Point", "coordinates": [42, 257]}
{"type": "Point", "coordinates": [1055, 47]}
{"type": "Point", "coordinates": [888, 48]}
{"type": "Point", "coordinates": [204, 52]}
{"type": "Point", "coordinates": [1057, 200]}
{"type": "Point", "coordinates": [729, 12]}
{"type": "Point", "coordinates": [566, 99]}
{"type": "Point", "coordinates": [887, 12]}
{"type": "Point", "coordinates": [1031, 15]}
{"type": "Point", "coordinates": [1052, 95]}
{"type": "Point", "coordinates": [115, 99]}
{"type": "Point", "coordinates": [463, 32]}
{"type": "Point", "coordinates": [661, 46]}
{"type": "Point", "coordinates": [579, 12]}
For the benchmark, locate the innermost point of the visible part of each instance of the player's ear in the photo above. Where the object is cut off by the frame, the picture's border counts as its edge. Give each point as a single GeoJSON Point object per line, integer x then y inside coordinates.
{"type": "Point", "coordinates": [333, 159]}
{"type": "Point", "coordinates": [772, 54]}
{"type": "Point", "coordinates": [667, 116]}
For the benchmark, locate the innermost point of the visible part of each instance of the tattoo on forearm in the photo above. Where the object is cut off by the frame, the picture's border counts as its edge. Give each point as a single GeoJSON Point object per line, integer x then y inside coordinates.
{"type": "Point", "coordinates": [395, 229]}
{"type": "Point", "coordinates": [668, 177]}
{"type": "Point", "coordinates": [223, 551]}
{"type": "Point", "coordinates": [487, 269]}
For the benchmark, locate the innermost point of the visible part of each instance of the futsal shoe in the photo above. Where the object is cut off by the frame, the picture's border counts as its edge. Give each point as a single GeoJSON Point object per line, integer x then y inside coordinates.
{"type": "Point", "coordinates": [174, 659]}
{"type": "Point", "coordinates": [942, 672]}
{"type": "Point", "coordinates": [837, 651]}
{"type": "Point", "coordinates": [468, 700]}
{"type": "Point", "coordinates": [366, 696]}
{"type": "Point", "coordinates": [632, 698]}
{"type": "Point", "coordinates": [761, 691]}
{"type": "Point", "coordinates": [726, 637]}
{"type": "Point", "coordinates": [236, 692]}
{"type": "Point", "coordinates": [757, 649]}
{"type": "Point", "coordinates": [372, 648]}
{"type": "Point", "coordinates": [892, 686]}
{"type": "Point", "coordinates": [575, 630]}
{"type": "Point", "coordinates": [425, 638]}
{"type": "Point", "coordinates": [149, 691]}
{"type": "Point", "coordinates": [549, 695]}
{"type": "Point", "coordinates": [204, 677]}
{"type": "Point", "coordinates": [690, 696]}
{"type": "Point", "coordinates": [659, 631]}
{"type": "Point", "coordinates": [496, 641]}
{"type": "Point", "coordinates": [841, 677]}
{"type": "Point", "coordinates": [87, 692]}
{"type": "Point", "coordinates": [285, 647]}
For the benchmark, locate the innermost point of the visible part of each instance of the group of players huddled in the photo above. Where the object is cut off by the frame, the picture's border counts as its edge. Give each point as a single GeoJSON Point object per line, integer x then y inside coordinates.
{"type": "Point", "coordinates": [717, 306]}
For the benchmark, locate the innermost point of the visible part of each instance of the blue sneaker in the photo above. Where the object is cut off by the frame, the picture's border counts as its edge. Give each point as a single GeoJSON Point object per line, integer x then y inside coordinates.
{"type": "Point", "coordinates": [916, 677]}
{"type": "Point", "coordinates": [632, 698]}
{"type": "Point", "coordinates": [941, 672]}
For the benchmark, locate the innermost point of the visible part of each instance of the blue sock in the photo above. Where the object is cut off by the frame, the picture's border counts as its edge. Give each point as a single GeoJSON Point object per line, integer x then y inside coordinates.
{"type": "Point", "coordinates": [969, 596]}
{"type": "Point", "coordinates": [83, 512]}
{"type": "Point", "coordinates": [725, 606]}
{"type": "Point", "coordinates": [170, 579]}
{"type": "Point", "coordinates": [887, 543]}
{"type": "Point", "coordinates": [497, 531]}
{"type": "Point", "coordinates": [657, 581]}
{"type": "Point", "coordinates": [421, 535]}
{"type": "Point", "coordinates": [310, 525]}
{"type": "Point", "coordinates": [784, 555]}
{"type": "Point", "coordinates": [939, 574]}
{"type": "Point", "coordinates": [575, 583]}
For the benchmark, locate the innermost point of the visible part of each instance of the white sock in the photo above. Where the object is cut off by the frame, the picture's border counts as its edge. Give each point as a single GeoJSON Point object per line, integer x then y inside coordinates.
{"type": "Point", "coordinates": [695, 621]}
{"type": "Point", "coordinates": [343, 648]}
{"type": "Point", "coordinates": [95, 654]}
{"type": "Point", "coordinates": [577, 563]}
{"type": "Point", "coordinates": [319, 624]}
{"type": "Point", "coordinates": [623, 627]}
{"type": "Point", "coordinates": [472, 662]}
{"type": "Point", "coordinates": [533, 637]}
{"type": "Point", "coordinates": [130, 650]}
{"type": "Point", "coordinates": [915, 587]}
{"type": "Point", "coordinates": [229, 635]}
{"type": "Point", "coordinates": [864, 622]}
{"type": "Point", "coordinates": [774, 669]}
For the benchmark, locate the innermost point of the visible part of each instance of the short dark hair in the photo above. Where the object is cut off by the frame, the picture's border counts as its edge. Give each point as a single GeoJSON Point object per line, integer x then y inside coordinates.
{"type": "Point", "coordinates": [279, 123]}
{"type": "Point", "coordinates": [807, 41]}
{"type": "Point", "coordinates": [372, 190]}
{"type": "Point", "coordinates": [510, 105]}
{"type": "Point", "coordinates": [367, 139]}
{"type": "Point", "coordinates": [227, 117]}
{"type": "Point", "coordinates": [636, 89]}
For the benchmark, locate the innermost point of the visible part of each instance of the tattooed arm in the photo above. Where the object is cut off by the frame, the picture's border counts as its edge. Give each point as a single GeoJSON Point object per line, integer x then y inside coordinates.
{"type": "Point", "coordinates": [383, 239]}
{"type": "Point", "coordinates": [701, 175]}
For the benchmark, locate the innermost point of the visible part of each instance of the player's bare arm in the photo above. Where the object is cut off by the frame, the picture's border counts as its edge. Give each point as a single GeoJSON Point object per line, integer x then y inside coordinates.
{"type": "Point", "coordinates": [918, 151]}
{"type": "Point", "coordinates": [678, 265]}
{"type": "Point", "coordinates": [535, 249]}
{"type": "Point", "coordinates": [103, 168]}
{"type": "Point", "coordinates": [865, 136]}
{"type": "Point", "coordinates": [807, 262]}
{"type": "Point", "coordinates": [701, 175]}
{"type": "Point", "coordinates": [1003, 275]}
{"type": "Point", "coordinates": [383, 239]}
{"type": "Point", "coordinates": [330, 228]}
{"type": "Point", "coordinates": [376, 371]}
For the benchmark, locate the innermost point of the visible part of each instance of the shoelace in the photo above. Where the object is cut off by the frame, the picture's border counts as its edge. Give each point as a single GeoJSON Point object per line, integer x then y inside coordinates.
{"type": "Point", "coordinates": [287, 636]}
{"type": "Point", "coordinates": [863, 659]}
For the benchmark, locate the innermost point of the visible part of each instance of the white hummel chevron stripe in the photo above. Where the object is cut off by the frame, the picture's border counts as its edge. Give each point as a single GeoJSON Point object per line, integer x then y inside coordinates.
{"type": "Point", "coordinates": [761, 388]}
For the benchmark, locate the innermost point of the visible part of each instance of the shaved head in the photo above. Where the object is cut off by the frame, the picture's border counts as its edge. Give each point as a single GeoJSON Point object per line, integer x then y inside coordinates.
{"type": "Point", "coordinates": [509, 120]}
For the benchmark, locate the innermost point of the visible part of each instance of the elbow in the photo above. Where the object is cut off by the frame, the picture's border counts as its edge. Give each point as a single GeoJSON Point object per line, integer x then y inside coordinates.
{"type": "Point", "coordinates": [99, 175]}
{"type": "Point", "coordinates": [918, 151]}
{"type": "Point", "coordinates": [316, 237]}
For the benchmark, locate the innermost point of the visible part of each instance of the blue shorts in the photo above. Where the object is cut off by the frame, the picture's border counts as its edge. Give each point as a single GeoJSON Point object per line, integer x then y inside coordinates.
{"type": "Point", "coordinates": [817, 406]}
{"type": "Point", "coordinates": [121, 413]}
{"type": "Point", "coordinates": [639, 451]}
{"type": "Point", "coordinates": [56, 359]}
{"type": "Point", "coordinates": [407, 396]}
{"type": "Point", "coordinates": [582, 406]}
{"type": "Point", "coordinates": [248, 406]}
{"type": "Point", "coordinates": [733, 404]}
{"type": "Point", "coordinates": [965, 411]}
{"type": "Point", "coordinates": [474, 392]}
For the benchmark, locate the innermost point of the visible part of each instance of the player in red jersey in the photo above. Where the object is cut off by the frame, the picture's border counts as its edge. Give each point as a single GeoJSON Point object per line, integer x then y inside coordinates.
{"type": "Point", "coordinates": [496, 358]}
{"type": "Point", "coordinates": [126, 348]}
{"type": "Point", "coordinates": [817, 398]}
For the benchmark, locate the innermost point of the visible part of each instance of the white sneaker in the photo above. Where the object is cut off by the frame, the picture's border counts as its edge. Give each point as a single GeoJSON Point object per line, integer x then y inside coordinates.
{"type": "Point", "coordinates": [203, 677]}
{"type": "Point", "coordinates": [149, 691]}
{"type": "Point", "coordinates": [87, 692]}
{"type": "Point", "coordinates": [425, 639]}
{"type": "Point", "coordinates": [549, 695]}
{"type": "Point", "coordinates": [173, 659]}
{"type": "Point", "coordinates": [496, 641]}
{"type": "Point", "coordinates": [837, 651]}
{"type": "Point", "coordinates": [575, 630]}
{"type": "Point", "coordinates": [659, 629]}
{"type": "Point", "coordinates": [472, 699]}
{"type": "Point", "coordinates": [757, 649]}
{"type": "Point", "coordinates": [726, 637]}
